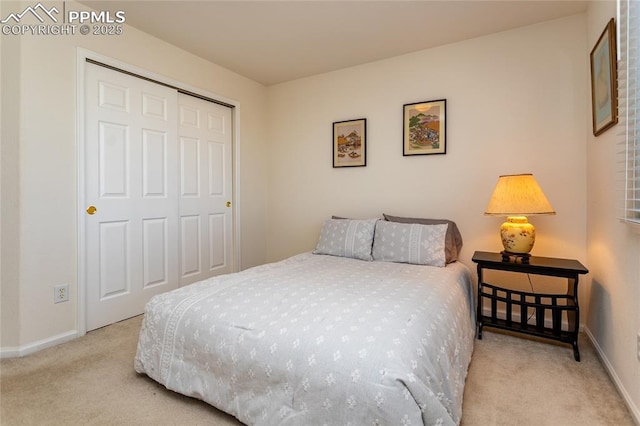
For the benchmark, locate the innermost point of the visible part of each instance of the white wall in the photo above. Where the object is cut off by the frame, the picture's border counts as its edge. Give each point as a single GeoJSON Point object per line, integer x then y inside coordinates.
{"type": "Point", "coordinates": [613, 320]}
{"type": "Point", "coordinates": [9, 196]}
{"type": "Point", "coordinates": [515, 103]}
{"type": "Point", "coordinates": [42, 133]}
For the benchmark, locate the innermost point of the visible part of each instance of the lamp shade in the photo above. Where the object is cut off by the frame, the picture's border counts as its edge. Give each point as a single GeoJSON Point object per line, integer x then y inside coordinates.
{"type": "Point", "coordinates": [518, 195]}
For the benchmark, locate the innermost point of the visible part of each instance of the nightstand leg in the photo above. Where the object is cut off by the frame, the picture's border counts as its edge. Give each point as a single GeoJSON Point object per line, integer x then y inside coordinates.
{"type": "Point", "coordinates": [479, 311]}
{"type": "Point", "coordinates": [573, 316]}
{"type": "Point", "coordinates": [576, 351]}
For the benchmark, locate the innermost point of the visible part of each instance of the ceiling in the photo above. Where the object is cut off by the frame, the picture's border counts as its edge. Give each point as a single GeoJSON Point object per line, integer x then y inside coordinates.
{"type": "Point", "coordinates": [276, 41]}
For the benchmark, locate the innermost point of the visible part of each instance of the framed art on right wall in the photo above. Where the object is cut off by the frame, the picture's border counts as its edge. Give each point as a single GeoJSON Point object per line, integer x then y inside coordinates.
{"type": "Point", "coordinates": [604, 84]}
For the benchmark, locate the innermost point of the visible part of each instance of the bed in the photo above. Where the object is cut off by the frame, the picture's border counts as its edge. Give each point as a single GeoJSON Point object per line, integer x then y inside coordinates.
{"type": "Point", "coordinates": [337, 336]}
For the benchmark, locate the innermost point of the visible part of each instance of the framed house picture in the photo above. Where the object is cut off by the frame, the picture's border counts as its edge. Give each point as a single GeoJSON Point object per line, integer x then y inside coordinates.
{"type": "Point", "coordinates": [350, 143]}
{"type": "Point", "coordinates": [604, 81]}
{"type": "Point", "coordinates": [424, 130]}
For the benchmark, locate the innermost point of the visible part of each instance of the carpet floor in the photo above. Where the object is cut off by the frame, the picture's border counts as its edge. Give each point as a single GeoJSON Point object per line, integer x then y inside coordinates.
{"type": "Point", "coordinates": [91, 381]}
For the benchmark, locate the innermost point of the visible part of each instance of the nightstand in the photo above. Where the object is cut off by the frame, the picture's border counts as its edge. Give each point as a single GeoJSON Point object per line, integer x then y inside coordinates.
{"type": "Point", "coordinates": [516, 305]}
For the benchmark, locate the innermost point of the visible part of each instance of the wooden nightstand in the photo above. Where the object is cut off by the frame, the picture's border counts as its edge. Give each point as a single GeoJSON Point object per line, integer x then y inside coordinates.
{"type": "Point", "coordinates": [562, 306]}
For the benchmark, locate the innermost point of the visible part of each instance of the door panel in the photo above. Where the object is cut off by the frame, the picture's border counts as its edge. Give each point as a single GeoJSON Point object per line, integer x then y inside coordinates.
{"type": "Point", "coordinates": [189, 168]}
{"type": "Point", "coordinates": [190, 245]}
{"type": "Point", "coordinates": [206, 189]}
{"type": "Point", "coordinates": [216, 169]}
{"type": "Point", "coordinates": [154, 160]}
{"type": "Point", "coordinates": [113, 279]}
{"type": "Point", "coordinates": [156, 247]}
{"type": "Point", "coordinates": [131, 178]}
{"type": "Point", "coordinates": [217, 238]}
{"type": "Point", "coordinates": [113, 142]}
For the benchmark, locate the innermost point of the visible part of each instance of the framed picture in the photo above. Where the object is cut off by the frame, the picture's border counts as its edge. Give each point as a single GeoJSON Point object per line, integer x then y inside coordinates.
{"type": "Point", "coordinates": [604, 81]}
{"type": "Point", "coordinates": [424, 129]}
{"type": "Point", "coordinates": [350, 143]}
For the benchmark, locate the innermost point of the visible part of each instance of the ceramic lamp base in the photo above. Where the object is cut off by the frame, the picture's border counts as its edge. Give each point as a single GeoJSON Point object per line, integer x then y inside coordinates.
{"type": "Point", "coordinates": [518, 235]}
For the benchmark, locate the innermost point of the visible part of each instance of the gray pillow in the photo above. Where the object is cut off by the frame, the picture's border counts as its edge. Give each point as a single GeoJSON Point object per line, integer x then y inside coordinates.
{"type": "Point", "coordinates": [347, 238]}
{"type": "Point", "coordinates": [453, 239]}
{"type": "Point", "coordinates": [410, 243]}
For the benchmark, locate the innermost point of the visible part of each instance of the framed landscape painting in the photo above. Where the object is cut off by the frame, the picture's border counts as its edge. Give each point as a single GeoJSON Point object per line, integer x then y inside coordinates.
{"type": "Point", "coordinates": [350, 143]}
{"type": "Point", "coordinates": [604, 85]}
{"type": "Point", "coordinates": [424, 129]}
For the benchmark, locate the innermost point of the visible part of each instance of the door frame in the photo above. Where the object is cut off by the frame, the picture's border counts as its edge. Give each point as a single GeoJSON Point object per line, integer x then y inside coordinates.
{"type": "Point", "coordinates": [84, 55]}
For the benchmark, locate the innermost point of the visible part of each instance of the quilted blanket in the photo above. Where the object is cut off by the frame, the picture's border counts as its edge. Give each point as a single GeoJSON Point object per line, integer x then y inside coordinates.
{"type": "Point", "coordinates": [315, 340]}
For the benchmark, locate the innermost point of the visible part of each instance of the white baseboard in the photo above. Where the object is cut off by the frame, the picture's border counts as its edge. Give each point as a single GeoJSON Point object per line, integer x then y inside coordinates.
{"type": "Point", "coordinates": [15, 352]}
{"type": "Point", "coordinates": [635, 411]}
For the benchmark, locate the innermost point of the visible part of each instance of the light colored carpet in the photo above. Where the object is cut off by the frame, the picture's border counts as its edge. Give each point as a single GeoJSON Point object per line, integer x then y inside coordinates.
{"type": "Point", "coordinates": [91, 381]}
{"type": "Point", "coordinates": [526, 381]}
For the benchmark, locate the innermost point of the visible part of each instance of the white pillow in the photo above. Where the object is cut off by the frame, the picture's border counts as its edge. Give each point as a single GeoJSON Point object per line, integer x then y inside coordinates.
{"type": "Point", "coordinates": [410, 243]}
{"type": "Point", "coordinates": [347, 238]}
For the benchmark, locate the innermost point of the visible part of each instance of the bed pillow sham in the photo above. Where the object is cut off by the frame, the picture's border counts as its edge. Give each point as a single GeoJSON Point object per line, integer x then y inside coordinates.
{"type": "Point", "coordinates": [453, 239]}
{"type": "Point", "coordinates": [347, 238]}
{"type": "Point", "coordinates": [410, 243]}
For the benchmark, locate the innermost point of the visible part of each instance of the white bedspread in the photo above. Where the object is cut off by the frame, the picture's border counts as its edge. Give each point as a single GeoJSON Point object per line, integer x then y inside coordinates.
{"type": "Point", "coordinates": [316, 340]}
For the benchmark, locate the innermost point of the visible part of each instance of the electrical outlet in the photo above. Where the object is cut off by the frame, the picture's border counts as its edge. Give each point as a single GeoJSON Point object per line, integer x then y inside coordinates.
{"type": "Point", "coordinates": [60, 293]}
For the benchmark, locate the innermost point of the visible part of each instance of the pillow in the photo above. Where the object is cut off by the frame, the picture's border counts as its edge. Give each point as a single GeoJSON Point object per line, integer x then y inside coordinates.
{"type": "Point", "coordinates": [410, 243]}
{"type": "Point", "coordinates": [453, 239]}
{"type": "Point", "coordinates": [347, 238]}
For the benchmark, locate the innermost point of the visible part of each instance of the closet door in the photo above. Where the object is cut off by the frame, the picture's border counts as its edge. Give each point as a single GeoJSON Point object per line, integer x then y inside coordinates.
{"type": "Point", "coordinates": [131, 194]}
{"type": "Point", "coordinates": [206, 228]}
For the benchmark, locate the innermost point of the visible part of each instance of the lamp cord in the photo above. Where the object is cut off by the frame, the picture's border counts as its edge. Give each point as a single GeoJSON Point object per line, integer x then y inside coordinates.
{"type": "Point", "coordinates": [532, 291]}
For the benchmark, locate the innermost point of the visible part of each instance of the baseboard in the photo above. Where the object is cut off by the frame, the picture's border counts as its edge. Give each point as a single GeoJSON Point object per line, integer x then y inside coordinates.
{"type": "Point", "coordinates": [20, 351]}
{"type": "Point", "coordinates": [635, 411]}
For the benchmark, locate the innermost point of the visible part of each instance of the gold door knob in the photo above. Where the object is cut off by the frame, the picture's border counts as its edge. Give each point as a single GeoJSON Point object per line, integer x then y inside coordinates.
{"type": "Point", "coordinates": [228, 203]}
{"type": "Point", "coordinates": [91, 210]}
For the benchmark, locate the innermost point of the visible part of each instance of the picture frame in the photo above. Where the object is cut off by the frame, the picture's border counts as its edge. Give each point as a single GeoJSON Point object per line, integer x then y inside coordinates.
{"type": "Point", "coordinates": [424, 128]}
{"type": "Point", "coordinates": [604, 80]}
{"type": "Point", "coordinates": [350, 143]}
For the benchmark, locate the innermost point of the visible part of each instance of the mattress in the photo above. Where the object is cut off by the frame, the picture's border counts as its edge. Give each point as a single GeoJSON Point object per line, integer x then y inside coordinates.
{"type": "Point", "coordinates": [317, 339]}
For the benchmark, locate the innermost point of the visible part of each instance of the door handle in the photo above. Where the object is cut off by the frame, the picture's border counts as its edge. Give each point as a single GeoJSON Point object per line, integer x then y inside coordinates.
{"type": "Point", "coordinates": [91, 210]}
{"type": "Point", "coordinates": [228, 203]}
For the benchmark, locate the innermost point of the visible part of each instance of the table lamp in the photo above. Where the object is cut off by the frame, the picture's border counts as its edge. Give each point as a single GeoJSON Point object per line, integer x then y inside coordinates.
{"type": "Point", "coordinates": [518, 196]}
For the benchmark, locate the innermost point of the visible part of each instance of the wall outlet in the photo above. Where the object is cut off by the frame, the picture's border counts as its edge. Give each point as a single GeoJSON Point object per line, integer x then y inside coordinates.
{"type": "Point", "coordinates": [60, 293]}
